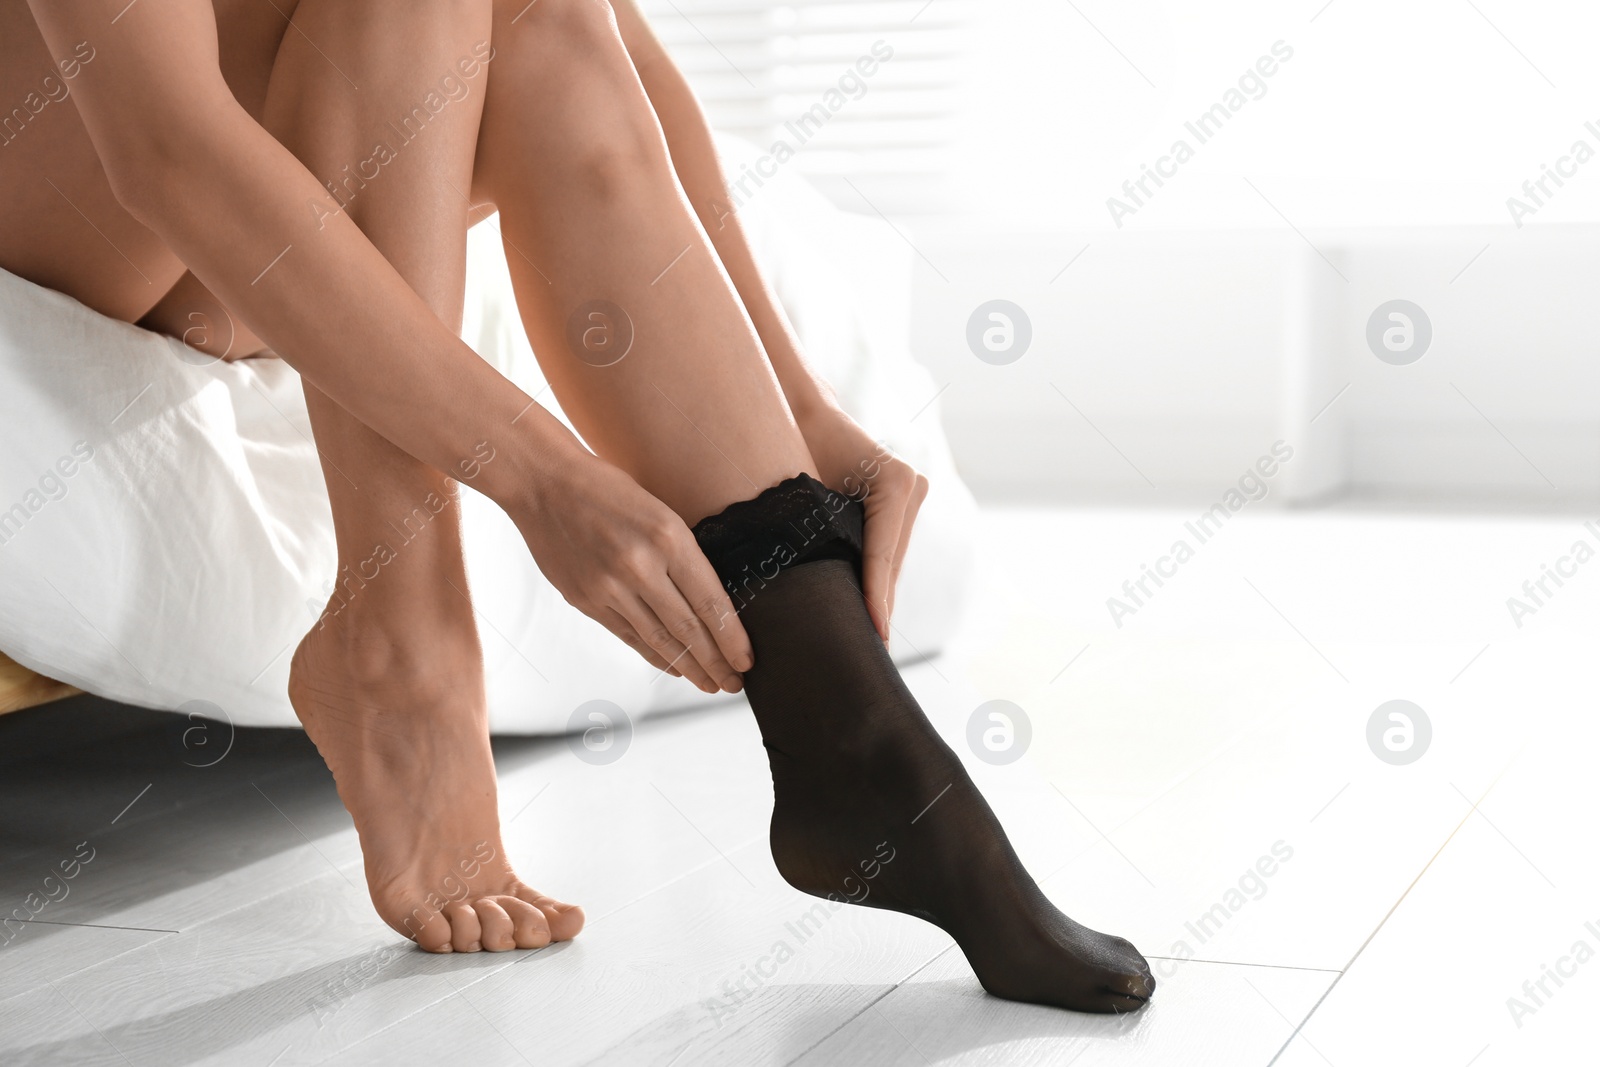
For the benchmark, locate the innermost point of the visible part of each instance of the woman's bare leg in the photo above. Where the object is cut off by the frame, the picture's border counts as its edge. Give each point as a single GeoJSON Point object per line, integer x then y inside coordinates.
{"type": "Point", "coordinates": [389, 684]}
{"type": "Point", "coordinates": [391, 687]}
{"type": "Point", "coordinates": [60, 224]}
{"type": "Point", "coordinates": [591, 211]}
{"type": "Point", "coordinates": [572, 152]}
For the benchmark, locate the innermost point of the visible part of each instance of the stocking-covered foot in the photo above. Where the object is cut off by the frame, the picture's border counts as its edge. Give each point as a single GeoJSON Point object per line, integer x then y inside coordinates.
{"type": "Point", "coordinates": [870, 805]}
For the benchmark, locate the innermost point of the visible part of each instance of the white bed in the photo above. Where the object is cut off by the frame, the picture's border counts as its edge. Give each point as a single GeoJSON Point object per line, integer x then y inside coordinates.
{"type": "Point", "coordinates": [165, 536]}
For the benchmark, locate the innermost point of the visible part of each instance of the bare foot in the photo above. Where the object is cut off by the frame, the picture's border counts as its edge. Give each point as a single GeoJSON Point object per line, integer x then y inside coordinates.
{"type": "Point", "coordinates": [402, 725]}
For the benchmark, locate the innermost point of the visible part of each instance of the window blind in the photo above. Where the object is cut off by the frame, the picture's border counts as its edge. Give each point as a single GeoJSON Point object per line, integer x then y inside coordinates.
{"type": "Point", "coordinates": [861, 96]}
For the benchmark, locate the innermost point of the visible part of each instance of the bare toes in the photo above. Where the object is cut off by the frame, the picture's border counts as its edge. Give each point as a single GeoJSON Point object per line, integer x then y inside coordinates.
{"type": "Point", "coordinates": [565, 920]}
{"type": "Point", "coordinates": [433, 935]}
{"type": "Point", "coordinates": [530, 927]}
{"type": "Point", "coordinates": [498, 933]}
{"type": "Point", "coordinates": [465, 933]}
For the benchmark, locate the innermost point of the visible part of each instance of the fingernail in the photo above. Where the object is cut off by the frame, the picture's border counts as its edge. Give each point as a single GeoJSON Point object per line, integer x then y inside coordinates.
{"type": "Point", "coordinates": [733, 685]}
{"type": "Point", "coordinates": [744, 663]}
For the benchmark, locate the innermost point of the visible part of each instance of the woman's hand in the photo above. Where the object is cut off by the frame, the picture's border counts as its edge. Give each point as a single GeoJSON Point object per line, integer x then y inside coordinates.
{"type": "Point", "coordinates": [891, 490]}
{"type": "Point", "coordinates": [626, 560]}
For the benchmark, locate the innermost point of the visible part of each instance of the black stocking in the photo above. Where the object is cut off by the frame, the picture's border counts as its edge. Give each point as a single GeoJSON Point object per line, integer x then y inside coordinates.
{"type": "Point", "coordinates": [871, 806]}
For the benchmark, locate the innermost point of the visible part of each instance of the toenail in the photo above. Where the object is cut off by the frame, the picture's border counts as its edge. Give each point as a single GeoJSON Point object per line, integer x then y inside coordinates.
{"type": "Point", "coordinates": [475, 946]}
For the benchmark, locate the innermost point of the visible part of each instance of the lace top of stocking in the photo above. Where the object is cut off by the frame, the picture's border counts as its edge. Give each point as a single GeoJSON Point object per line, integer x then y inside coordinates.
{"type": "Point", "coordinates": [797, 521]}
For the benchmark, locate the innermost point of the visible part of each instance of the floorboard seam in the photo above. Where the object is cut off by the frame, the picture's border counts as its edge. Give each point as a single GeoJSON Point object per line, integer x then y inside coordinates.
{"type": "Point", "coordinates": [1240, 963]}
{"type": "Point", "coordinates": [429, 1006]}
{"type": "Point", "coordinates": [869, 1005]}
{"type": "Point", "coordinates": [49, 982]}
{"type": "Point", "coordinates": [461, 990]}
{"type": "Point", "coordinates": [696, 869]}
{"type": "Point", "coordinates": [207, 795]}
{"type": "Point", "coordinates": [223, 786]}
{"type": "Point", "coordinates": [101, 926]}
{"type": "Point", "coordinates": [1387, 916]}
{"type": "Point", "coordinates": [197, 926]}
{"type": "Point", "coordinates": [1173, 784]}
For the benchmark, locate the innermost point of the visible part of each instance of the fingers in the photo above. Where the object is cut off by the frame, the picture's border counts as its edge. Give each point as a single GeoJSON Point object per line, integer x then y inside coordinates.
{"type": "Point", "coordinates": [892, 508]}
{"type": "Point", "coordinates": [692, 573]}
{"type": "Point", "coordinates": [630, 637]}
{"type": "Point", "coordinates": [883, 522]}
{"type": "Point", "coordinates": [685, 629]}
{"type": "Point", "coordinates": [919, 493]}
{"type": "Point", "coordinates": [641, 629]}
{"type": "Point", "coordinates": [670, 608]}
{"type": "Point", "coordinates": [654, 635]}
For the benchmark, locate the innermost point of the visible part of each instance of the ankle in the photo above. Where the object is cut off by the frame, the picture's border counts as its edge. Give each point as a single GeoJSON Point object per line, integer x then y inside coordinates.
{"type": "Point", "coordinates": [377, 643]}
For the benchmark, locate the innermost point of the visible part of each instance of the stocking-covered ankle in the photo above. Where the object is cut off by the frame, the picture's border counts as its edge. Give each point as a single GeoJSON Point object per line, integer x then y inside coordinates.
{"type": "Point", "coordinates": [870, 805]}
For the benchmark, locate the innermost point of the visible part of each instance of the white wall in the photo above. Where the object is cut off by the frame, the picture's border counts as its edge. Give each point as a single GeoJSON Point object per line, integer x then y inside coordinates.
{"type": "Point", "coordinates": [1516, 336]}
{"type": "Point", "coordinates": [1190, 353]}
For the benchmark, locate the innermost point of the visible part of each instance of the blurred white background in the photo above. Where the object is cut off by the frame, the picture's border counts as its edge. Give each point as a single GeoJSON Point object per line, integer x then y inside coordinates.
{"type": "Point", "coordinates": [1358, 154]}
{"type": "Point", "coordinates": [1173, 342]}
{"type": "Point", "coordinates": [1179, 701]}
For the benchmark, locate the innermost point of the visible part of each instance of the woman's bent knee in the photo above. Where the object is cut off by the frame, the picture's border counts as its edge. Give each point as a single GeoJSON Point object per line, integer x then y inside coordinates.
{"type": "Point", "coordinates": [564, 97]}
{"type": "Point", "coordinates": [584, 24]}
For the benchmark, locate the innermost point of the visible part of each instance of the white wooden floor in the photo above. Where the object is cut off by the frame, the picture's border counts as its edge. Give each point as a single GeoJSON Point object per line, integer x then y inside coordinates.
{"type": "Point", "coordinates": [222, 918]}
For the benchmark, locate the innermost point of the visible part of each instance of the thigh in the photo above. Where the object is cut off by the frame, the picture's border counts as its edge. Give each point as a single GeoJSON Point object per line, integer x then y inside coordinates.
{"type": "Point", "coordinates": [60, 224]}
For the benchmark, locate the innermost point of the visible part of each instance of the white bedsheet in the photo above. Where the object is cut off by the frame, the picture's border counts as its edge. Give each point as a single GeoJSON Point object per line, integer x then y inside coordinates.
{"type": "Point", "coordinates": [165, 536]}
